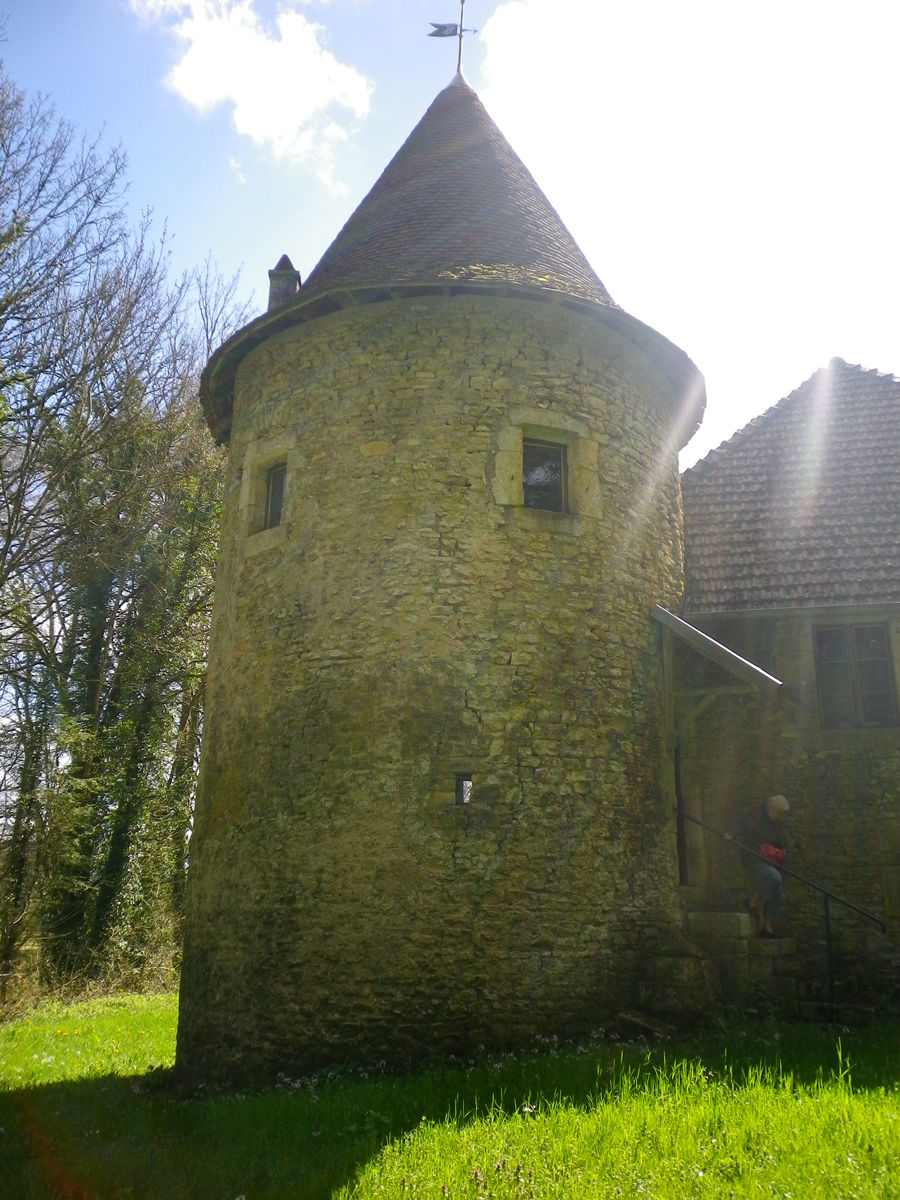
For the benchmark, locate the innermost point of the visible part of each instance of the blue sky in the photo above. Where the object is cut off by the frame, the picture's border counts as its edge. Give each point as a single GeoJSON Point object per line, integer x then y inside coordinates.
{"type": "Point", "coordinates": [732, 171]}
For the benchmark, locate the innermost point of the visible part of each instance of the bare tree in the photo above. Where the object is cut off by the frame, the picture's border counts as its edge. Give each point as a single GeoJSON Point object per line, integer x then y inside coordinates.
{"type": "Point", "coordinates": [109, 494]}
{"type": "Point", "coordinates": [85, 309]}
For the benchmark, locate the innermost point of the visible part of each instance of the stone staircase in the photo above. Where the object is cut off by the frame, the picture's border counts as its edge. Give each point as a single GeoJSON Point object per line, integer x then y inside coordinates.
{"type": "Point", "coordinates": [753, 972]}
{"type": "Point", "coordinates": [721, 965]}
{"type": "Point", "coordinates": [761, 974]}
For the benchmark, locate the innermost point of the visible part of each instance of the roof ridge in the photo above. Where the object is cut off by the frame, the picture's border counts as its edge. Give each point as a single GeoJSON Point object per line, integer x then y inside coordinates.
{"type": "Point", "coordinates": [764, 418]}
{"type": "Point", "coordinates": [800, 507]}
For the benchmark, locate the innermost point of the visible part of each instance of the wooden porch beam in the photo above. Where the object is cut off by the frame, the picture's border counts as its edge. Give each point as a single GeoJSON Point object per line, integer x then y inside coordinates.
{"type": "Point", "coordinates": [710, 648]}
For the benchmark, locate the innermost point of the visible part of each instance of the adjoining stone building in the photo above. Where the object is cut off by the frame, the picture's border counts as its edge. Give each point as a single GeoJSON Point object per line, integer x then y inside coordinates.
{"type": "Point", "coordinates": [792, 544]}
{"type": "Point", "coordinates": [435, 805]}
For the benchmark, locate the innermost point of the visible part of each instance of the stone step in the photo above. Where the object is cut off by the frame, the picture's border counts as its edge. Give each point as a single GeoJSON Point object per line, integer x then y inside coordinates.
{"type": "Point", "coordinates": [743, 961]}
{"type": "Point", "coordinates": [772, 947]}
{"type": "Point", "coordinates": [703, 926]}
{"type": "Point", "coordinates": [718, 928]}
{"type": "Point", "coordinates": [750, 968]}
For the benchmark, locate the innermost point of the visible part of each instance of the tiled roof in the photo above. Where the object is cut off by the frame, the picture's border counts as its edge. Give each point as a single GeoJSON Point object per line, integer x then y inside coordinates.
{"type": "Point", "coordinates": [802, 507]}
{"type": "Point", "coordinates": [456, 203]}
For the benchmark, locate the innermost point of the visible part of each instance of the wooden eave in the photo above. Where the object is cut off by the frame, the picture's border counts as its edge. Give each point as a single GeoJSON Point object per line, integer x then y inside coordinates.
{"type": "Point", "coordinates": [701, 642]}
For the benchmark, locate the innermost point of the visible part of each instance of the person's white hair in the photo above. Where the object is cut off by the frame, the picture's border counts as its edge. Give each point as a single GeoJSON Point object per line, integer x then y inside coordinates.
{"type": "Point", "coordinates": [777, 804]}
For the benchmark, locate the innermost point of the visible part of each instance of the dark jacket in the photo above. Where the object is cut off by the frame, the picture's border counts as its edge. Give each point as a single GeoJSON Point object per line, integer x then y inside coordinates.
{"type": "Point", "coordinates": [754, 830]}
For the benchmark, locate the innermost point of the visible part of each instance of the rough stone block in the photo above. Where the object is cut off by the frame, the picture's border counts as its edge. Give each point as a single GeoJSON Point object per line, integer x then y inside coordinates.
{"type": "Point", "coordinates": [719, 925]}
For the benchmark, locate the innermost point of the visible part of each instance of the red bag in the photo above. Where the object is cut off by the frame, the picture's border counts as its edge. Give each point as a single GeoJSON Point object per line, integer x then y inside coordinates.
{"type": "Point", "coordinates": [773, 853]}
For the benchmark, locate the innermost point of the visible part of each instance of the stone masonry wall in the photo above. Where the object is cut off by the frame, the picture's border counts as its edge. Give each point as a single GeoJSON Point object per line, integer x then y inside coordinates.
{"type": "Point", "coordinates": [843, 785]}
{"type": "Point", "coordinates": [409, 621]}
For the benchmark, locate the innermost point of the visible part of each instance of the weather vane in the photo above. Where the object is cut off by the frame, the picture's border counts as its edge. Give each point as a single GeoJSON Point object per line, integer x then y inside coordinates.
{"type": "Point", "coordinates": [453, 31]}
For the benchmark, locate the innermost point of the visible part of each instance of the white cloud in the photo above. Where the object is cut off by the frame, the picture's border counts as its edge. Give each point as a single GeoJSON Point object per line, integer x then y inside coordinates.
{"type": "Point", "coordinates": [282, 84]}
{"type": "Point", "coordinates": [731, 170]}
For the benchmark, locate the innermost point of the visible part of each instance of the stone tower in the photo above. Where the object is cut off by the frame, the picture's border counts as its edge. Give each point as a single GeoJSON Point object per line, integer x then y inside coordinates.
{"type": "Point", "coordinates": [433, 810]}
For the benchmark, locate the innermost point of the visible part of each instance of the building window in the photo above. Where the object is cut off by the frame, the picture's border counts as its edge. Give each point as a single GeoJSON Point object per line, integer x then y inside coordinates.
{"type": "Point", "coordinates": [855, 678]}
{"type": "Point", "coordinates": [544, 474]}
{"type": "Point", "coordinates": [276, 478]}
{"type": "Point", "coordinates": [463, 788]}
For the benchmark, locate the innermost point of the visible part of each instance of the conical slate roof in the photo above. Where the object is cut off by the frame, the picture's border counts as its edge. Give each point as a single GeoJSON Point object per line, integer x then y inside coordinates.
{"type": "Point", "coordinates": [455, 211]}
{"type": "Point", "coordinates": [457, 203]}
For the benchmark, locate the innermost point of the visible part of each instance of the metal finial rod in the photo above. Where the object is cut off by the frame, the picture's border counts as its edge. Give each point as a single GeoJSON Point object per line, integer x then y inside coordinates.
{"type": "Point", "coordinates": [462, 5]}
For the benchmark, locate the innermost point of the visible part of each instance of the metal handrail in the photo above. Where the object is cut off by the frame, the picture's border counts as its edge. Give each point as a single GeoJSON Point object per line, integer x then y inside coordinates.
{"type": "Point", "coordinates": [786, 871]}
{"type": "Point", "coordinates": [827, 895]}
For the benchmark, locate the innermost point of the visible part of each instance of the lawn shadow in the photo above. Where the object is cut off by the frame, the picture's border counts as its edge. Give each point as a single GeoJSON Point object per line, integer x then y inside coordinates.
{"type": "Point", "coordinates": [139, 1137]}
{"type": "Point", "coordinates": [135, 1137]}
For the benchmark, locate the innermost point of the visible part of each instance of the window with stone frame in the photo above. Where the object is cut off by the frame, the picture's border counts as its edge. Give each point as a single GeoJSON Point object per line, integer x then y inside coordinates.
{"type": "Point", "coordinates": [855, 677]}
{"type": "Point", "coordinates": [276, 479]}
{"type": "Point", "coordinates": [544, 475]}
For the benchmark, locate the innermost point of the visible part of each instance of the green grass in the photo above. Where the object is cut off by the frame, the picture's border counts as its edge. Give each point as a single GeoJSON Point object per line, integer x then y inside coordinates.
{"type": "Point", "coordinates": [87, 1113]}
{"type": "Point", "coordinates": [118, 1035]}
{"type": "Point", "coordinates": [676, 1135]}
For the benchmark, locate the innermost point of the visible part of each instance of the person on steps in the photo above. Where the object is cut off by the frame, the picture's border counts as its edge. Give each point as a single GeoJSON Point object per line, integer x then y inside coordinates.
{"type": "Point", "coordinates": [760, 831]}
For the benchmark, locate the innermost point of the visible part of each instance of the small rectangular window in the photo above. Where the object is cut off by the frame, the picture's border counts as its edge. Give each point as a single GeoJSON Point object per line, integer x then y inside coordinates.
{"type": "Point", "coordinates": [855, 678]}
{"type": "Point", "coordinates": [463, 788]}
{"type": "Point", "coordinates": [276, 478]}
{"type": "Point", "coordinates": [544, 475]}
